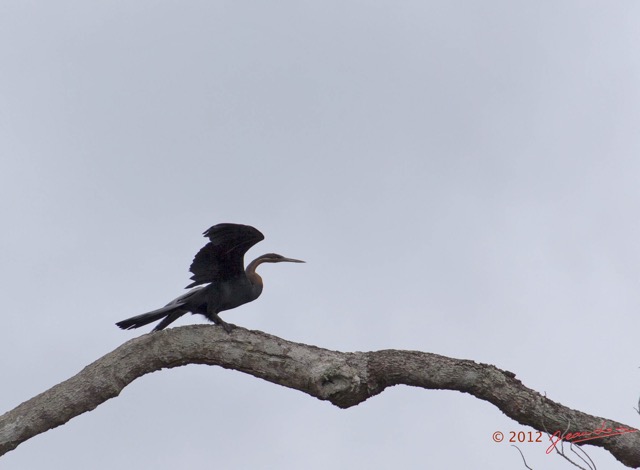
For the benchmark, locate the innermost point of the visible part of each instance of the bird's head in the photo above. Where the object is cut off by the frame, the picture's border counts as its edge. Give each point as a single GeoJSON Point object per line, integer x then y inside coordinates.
{"type": "Point", "coordinates": [267, 258]}
{"type": "Point", "coordinates": [276, 258]}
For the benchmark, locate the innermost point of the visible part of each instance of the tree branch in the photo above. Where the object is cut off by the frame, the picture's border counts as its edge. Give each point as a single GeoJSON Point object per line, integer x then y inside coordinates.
{"type": "Point", "coordinates": [344, 379]}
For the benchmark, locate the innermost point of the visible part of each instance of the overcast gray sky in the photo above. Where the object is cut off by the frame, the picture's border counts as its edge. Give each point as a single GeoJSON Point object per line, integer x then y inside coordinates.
{"type": "Point", "coordinates": [461, 177]}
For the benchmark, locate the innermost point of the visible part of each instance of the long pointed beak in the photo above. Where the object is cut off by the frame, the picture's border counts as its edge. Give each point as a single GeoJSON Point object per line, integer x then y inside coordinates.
{"type": "Point", "coordinates": [292, 260]}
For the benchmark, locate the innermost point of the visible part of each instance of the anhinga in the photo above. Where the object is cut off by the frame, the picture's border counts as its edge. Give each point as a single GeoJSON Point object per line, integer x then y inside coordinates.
{"type": "Point", "coordinates": [219, 265]}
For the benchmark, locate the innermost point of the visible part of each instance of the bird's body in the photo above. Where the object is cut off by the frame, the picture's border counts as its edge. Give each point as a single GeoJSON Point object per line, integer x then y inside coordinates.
{"type": "Point", "coordinates": [220, 281]}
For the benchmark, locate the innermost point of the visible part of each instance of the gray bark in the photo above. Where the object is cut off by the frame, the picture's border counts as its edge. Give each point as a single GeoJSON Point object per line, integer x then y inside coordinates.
{"type": "Point", "coordinates": [344, 379]}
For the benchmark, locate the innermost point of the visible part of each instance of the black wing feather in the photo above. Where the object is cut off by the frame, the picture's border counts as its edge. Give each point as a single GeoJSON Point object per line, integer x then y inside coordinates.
{"type": "Point", "coordinates": [223, 257]}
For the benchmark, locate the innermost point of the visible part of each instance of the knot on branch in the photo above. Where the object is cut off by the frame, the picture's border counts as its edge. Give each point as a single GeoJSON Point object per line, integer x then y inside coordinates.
{"type": "Point", "coordinates": [339, 382]}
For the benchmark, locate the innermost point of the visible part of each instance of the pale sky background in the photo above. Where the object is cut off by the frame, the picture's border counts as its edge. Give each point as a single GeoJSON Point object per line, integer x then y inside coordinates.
{"type": "Point", "coordinates": [462, 178]}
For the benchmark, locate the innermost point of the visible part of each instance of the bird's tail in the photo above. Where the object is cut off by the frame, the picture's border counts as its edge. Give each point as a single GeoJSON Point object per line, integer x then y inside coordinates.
{"type": "Point", "coordinates": [169, 314]}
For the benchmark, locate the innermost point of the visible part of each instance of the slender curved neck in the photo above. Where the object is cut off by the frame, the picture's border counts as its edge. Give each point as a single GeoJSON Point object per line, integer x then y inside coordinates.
{"type": "Point", "coordinates": [252, 275]}
{"type": "Point", "coordinates": [251, 268]}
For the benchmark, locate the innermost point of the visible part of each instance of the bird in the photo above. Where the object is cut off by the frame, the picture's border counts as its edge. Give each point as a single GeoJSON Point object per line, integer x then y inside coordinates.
{"type": "Point", "coordinates": [220, 280]}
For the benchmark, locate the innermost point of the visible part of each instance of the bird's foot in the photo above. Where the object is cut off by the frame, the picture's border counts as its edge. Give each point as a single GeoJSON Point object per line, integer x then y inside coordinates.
{"type": "Point", "coordinates": [228, 327]}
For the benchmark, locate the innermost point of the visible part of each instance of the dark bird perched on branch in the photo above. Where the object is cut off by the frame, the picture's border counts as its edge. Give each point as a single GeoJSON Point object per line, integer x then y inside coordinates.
{"type": "Point", "coordinates": [219, 265]}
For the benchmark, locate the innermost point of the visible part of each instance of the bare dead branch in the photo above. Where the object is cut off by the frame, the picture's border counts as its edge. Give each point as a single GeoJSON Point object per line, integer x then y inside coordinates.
{"type": "Point", "coordinates": [522, 455]}
{"type": "Point", "coordinates": [344, 379]}
{"type": "Point", "coordinates": [582, 455]}
{"type": "Point", "coordinates": [559, 449]}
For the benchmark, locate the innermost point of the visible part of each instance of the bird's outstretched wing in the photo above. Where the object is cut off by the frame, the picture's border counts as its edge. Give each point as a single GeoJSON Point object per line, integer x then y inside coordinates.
{"type": "Point", "coordinates": [223, 257]}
